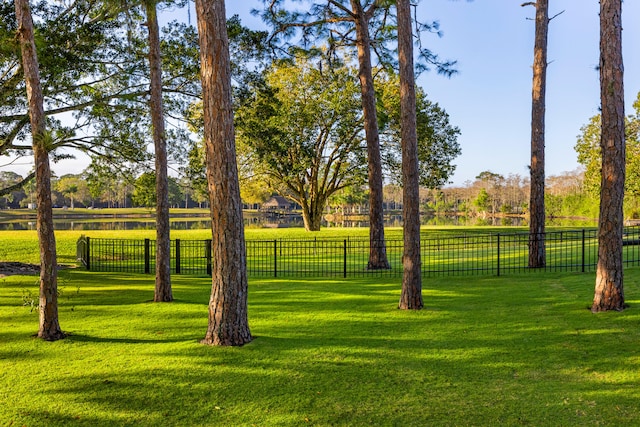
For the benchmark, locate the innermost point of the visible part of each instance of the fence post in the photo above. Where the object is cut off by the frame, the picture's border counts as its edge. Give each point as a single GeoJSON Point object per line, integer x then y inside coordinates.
{"type": "Point", "coordinates": [87, 253]}
{"type": "Point", "coordinates": [146, 255]}
{"type": "Point", "coordinates": [345, 259]}
{"type": "Point", "coordinates": [275, 258]}
{"type": "Point", "coordinates": [583, 246]}
{"type": "Point", "coordinates": [177, 256]}
{"type": "Point", "coordinates": [207, 254]}
{"type": "Point", "coordinates": [498, 266]}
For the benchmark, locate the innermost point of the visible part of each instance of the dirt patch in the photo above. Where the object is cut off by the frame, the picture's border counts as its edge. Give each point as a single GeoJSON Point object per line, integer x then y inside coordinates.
{"type": "Point", "coordinates": [21, 268]}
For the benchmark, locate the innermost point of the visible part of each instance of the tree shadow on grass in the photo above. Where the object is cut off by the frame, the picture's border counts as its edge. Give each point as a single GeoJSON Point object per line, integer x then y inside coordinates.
{"type": "Point", "coordinates": [490, 352]}
{"type": "Point", "coordinates": [356, 380]}
{"type": "Point", "coordinates": [83, 338]}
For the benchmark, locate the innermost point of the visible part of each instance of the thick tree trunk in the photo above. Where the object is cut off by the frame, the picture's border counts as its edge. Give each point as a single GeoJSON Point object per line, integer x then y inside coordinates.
{"type": "Point", "coordinates": [609, 292]}
{"type": "Point", "coordinates": [312, 216]}
{"type": "Point", "coordinates": [228, 322]}
{"type": "Point", "coordinates": [163, 291]}
{"type": "Point", "coordinates": [411, 296]}
{"type": "Point", "coordinates": [49, 328]}
{"type": "Point", "coordinates": [311, 222]}
{"type": "Point", "coordinates": [378, 249]}
{"type": "Point", "coordinates": [537, 250]}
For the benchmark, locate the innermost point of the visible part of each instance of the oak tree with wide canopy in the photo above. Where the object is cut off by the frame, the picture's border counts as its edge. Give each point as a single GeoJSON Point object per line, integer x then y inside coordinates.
{"type": "Point", "coordinates": [304, 125]}
{"type": "Point", "coordinates": [366, 26]}
{"type": "Point", "coordinates": [301, 131]}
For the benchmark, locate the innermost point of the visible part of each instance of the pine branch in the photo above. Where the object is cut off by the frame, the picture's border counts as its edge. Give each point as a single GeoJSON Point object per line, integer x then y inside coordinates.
{"type": "Point", "coordinates": [17, 186]}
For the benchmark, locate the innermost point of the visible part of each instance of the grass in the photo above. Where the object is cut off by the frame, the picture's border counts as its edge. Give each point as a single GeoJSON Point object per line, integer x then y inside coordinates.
{"type": "Point", "coordinates": [444, 252]}
{"type": "Point", "coordinates": [517, 350]}
{"type": "Point", "coordinates": [511, 350]}
{"type": "Point", "coordinates": [22, 245]}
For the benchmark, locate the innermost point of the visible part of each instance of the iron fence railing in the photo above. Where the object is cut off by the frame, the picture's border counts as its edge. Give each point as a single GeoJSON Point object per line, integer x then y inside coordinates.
{"type": "Point", "coordinates": [442, 255]}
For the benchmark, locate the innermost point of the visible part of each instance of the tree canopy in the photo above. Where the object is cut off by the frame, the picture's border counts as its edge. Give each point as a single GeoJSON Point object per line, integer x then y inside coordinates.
{"type": "Point", "coordinates": [304, 124]}
{"type": "Point", "coordinates": [333, 22]}
{"type": "Point", "coordinates": [589, 153]}
{"type": "Point", "coordinates": [95, 81]}
{"type": "Point", "coordinates": [438, 143]}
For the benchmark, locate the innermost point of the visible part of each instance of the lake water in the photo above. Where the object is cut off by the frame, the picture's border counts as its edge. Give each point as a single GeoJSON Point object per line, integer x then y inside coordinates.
{"type": "Point", "coordinates": [253, 220]}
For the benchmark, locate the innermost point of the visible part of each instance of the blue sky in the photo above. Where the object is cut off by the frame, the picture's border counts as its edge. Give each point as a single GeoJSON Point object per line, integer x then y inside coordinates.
{"type": "Point", "coordinates": [490, 97]}
{"type": "Point", "coordinates": [490, 100]}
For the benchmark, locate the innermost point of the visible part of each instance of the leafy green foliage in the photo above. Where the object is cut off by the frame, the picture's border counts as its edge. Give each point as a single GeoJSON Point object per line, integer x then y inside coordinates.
{"type": "Point", "coordinates": [11, 192]}
{"type": "Point", "coordinates": [589, 156]}
{"type": "Point", "coordinates": [73, 187]}
{"type": "Point", "coordinates": [437, 138]}
{"type": "Point", "coordinates": [304, 126]}
{"type": "Point", "coordinates": [483, 201]}
{"type": "Point", "coordinates": [315, 23]}
{"type": "Point", "coordinates": [94, 75]}
{"type": "Point", "coordinates": [144, 191]}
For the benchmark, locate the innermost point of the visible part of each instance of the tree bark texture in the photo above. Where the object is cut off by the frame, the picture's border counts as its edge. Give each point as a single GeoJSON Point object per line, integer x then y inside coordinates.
{"type": "Point", "coordinates": [163, 292]}
{"type": "Point", "coordinates": [312, 213]}
{"type": "Point", "coordinates": [228, 322]}
{"type": "Point", "coordinates": [411, 296]}
{"type": "Point", "coordinates": [537, 250]}
{"type": "Point", "coordinates": [49, 328]}
{"type": "Point", "coordinates": [609, 292]}
{"type": "Point", "coordinates": [378, 250]}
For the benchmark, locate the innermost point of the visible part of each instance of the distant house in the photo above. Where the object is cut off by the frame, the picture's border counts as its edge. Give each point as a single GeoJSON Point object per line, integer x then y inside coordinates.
{"type": "Point", "coordinates": [277, 203]}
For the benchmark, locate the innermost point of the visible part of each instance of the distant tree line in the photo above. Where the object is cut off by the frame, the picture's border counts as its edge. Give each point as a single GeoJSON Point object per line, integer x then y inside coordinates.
{"type": "Point", "coordinates": [93, 88]}
{"type": "Point", "coordinates": [569, 194]}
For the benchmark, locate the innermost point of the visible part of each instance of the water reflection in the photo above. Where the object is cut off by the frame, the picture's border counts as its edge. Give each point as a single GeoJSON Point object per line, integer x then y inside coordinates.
{"type": "Point", "coordinates": [261, 220]}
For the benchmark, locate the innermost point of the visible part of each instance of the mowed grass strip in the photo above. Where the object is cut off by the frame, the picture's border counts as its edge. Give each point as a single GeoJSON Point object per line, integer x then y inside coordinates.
{"type": "Point", "coordinates": [446, 250]}
{"type": "Point", "coordinates": [513, 350]}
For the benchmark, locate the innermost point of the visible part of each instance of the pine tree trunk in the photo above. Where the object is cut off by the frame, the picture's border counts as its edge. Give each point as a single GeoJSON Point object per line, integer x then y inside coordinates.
{"type": "Point", "coordinates": [411, 296]}
{"type": "Point", "coordinates": [163, 291]}
{"type": "Point", "coordinates": [228, 322]}
{"type": "Point", "coordinates": [49, 328]}
{"type": "Point", "coordinates": [378, 250]}
{"type": "Point", "coordinates": [537, 250]}
{"type": "Point", "coordinates": [609, 292]}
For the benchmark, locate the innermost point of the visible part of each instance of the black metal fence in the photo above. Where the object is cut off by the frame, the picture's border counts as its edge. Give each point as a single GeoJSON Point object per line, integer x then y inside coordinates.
{"type": "Point", "coordinates": [442, 255]}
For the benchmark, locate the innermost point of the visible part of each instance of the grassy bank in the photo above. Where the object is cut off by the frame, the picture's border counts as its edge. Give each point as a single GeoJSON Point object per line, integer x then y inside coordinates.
{"type": "Point", "coordinates": [517, 350]}
{"type": "Point", "coordinates": [514, 350]}
{"type": "Point", "coordinates": [22, 245]}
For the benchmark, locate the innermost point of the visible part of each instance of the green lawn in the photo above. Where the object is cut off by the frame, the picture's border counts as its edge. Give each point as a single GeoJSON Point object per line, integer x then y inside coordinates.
{"type": "Point", "coordinates": [511, 350]}
{"type": "Point", "coordinates": [516, 350]}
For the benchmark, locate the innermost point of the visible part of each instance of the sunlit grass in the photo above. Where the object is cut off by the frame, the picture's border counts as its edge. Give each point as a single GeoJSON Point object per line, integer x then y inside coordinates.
{"type": "Point", "coordinates": [446, 250]}
{"type": "Point", "coordinates": [513, 350]}
{"type": "Point", "coordinates": [22, 245]}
